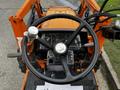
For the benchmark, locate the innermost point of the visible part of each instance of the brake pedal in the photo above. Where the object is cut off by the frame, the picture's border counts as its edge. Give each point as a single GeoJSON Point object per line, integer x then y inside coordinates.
{"type": "Point", "coordinates": [14, 55]}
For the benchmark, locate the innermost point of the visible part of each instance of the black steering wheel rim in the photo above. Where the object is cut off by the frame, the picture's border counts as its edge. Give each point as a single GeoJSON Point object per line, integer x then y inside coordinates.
{"type": "Point", "coordinates": [62, 81]}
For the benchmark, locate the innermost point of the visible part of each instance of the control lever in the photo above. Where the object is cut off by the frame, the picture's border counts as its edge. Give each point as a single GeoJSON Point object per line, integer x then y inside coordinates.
{"type": "Point", "coordinates": [32, 33]}
{"type": "Point", "coordinates": [14, 55]}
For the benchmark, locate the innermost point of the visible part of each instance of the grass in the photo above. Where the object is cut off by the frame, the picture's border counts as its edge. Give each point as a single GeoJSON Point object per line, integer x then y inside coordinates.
{"type": "Point", "coordinates": [113, 51]}
{"type": "Point", "coordinates": [113, 48]}
{"type": "Point", "coordinates": [111, 5]}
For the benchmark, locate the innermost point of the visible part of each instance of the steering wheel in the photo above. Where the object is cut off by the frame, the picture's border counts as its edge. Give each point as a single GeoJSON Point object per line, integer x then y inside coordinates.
{"type": "Point", "coordinates": [61, 49]}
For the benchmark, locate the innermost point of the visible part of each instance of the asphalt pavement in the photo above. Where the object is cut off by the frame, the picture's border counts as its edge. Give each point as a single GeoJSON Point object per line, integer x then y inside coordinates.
{"type": "Point", "coordinates": [10, 75]}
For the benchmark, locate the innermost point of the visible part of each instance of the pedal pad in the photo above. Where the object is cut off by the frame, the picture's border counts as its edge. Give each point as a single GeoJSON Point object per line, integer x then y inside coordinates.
{"type": "Point", "coordinates": [14, 55]}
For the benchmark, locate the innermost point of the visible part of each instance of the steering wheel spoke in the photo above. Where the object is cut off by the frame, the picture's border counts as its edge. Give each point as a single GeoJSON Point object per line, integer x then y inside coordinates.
{"type": "Point", "coordinates": [46, 44]}
{"type": "Point", "coordinates": [71, 39]}
{"type": "Point", "coordinates": [69, 76]}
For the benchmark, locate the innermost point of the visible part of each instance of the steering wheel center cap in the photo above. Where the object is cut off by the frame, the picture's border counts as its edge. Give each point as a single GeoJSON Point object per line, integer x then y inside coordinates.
{"type": "Point", "coordinates": [60, 48]}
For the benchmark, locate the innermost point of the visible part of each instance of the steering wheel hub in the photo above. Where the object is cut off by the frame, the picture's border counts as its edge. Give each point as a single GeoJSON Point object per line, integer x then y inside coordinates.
{"type": "Point", "coordinates": [60, 48]}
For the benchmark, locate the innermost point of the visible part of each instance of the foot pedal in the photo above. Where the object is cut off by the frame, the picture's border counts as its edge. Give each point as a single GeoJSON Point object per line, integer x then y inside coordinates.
{"type": "Point", "coordinates": [14, 55]}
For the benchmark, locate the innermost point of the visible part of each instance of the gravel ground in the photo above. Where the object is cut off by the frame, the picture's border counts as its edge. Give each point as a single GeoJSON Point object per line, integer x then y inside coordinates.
{"type": "Point", "coordinates": [101, 80]}
{"type": "Point", "coordinates": [10, 75]}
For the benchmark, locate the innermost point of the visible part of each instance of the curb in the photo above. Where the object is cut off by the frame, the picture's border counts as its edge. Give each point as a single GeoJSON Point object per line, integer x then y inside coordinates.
{"type": "Point", "coordinates": [110, 73]}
